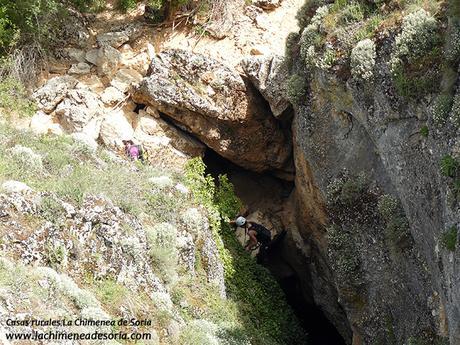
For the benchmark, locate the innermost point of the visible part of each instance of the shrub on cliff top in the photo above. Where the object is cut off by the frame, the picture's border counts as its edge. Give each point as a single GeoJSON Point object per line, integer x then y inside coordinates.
{"type": "Point", "coordinates": [363, 59]}
{"type": "Point", "coordinates": [417, 36]}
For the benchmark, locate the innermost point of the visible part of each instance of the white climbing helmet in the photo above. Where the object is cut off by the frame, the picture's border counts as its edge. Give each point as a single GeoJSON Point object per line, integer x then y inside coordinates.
{"type": "Point", "coordinates": [240, 221]}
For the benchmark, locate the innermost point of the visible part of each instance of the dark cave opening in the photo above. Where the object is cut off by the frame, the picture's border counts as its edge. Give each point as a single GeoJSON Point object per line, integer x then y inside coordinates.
{"type": "Point", "coordinates": [258, 190]}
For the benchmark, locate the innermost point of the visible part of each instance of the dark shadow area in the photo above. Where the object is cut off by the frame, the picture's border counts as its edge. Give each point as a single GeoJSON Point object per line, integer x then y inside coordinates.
{"type": "Point", "coordinates": [319, 328]}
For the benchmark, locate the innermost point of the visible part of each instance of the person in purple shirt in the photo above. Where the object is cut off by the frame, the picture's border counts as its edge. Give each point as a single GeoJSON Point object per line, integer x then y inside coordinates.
{"type": "Point", "coordinates": [133, 151]}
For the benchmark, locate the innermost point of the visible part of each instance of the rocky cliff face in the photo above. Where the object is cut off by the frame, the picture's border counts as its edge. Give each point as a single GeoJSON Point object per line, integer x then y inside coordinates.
{"type": "Point", "coordinates": [373, 198]}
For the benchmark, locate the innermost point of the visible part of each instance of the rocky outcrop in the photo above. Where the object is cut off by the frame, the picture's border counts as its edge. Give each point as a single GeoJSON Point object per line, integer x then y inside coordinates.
{"type": "Point", "coordinates": [53, 92]}
{"type": "Point", "coordinates": [269, 75]}
{"type": "Point", "coordinates": [78, 108]}
{"type": "Point", "coordinates": [217, 106]}
{"type": "Point", "coordinates": [357, 151]}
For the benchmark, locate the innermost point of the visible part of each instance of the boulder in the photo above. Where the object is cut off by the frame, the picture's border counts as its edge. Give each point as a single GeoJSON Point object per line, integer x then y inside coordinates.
{"type": "Point", "coordinates": [125, 78]}
{"type": "Point", "coordinates": [91, 56]}
{"type": "Point", "coordinates": [115, 127]}
{"type": "Point", "coordinates": [113, 39]}
{"type": "Point", "coordinates": [53, 92]}
{"type": "Point", "coordinates": [93, 82]}
{"type": "Point", "coordinates": [112, 95]}
{"type": "Point", "coordinates": [85, 140]}
{"type": "Point", "coordinates": [268, 5]}
{"type": "Point", "coordinates": [78, 108]}
{"type": "Point", "coordinates": [42, 123]}
{"type": "Point", "coordinates": [156, 127]}
{"type": "Point", "coordinates": [108, 60]}
{"type": "Point", "coordinates": [15, 187]}
{"type": "Point", "coordinates": [214, 103]}
{"type": "Point", "coordinates": [269, 75]}
{"type": "Point", "coordinates": [74, 54]}
{"type": "Point", "coordinates": [80, 68]}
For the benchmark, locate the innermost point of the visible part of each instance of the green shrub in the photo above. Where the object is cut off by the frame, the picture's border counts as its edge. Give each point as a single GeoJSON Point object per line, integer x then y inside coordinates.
{"type": "Point", "coordinates": [126, 5]}
{"type": "Point", "coordinates": [89, 5]}
{"type": "Point", "coordinates": [307, 11]}
{"type": "Point", "coordinates": [110, 293]}
{"type": "Point", "coordinates": [226, 200]}
{"type": "Point", "coordinates": [51, 210]}
{"type": "Point", "coordinates": [388, 207]}
{"type": "Point", "coordinates": [362, 59]}
{"type": "Point", "coordinates": [424, 131]}
{"type": "Point", "coordinates": [396, 224]}
{"type": "Point", "coordinates": [296, 89]}
{"type": "Point", "coordinates": [449, 166]}
{"type": "Point", "coordinates": [449, 238]}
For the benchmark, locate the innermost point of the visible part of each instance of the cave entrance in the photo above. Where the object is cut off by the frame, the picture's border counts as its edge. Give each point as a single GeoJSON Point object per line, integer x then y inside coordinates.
{"type": "Point", "coordinates": [267, 193]}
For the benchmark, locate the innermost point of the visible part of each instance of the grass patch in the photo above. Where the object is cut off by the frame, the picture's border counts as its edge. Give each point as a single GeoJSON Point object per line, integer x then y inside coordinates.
{"type": "Point", "coordinates": [449, 238]}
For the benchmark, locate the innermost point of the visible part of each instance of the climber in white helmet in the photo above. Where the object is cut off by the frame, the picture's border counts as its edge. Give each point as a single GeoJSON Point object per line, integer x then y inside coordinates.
{"type": "Point", "coordinates": [256, 232]}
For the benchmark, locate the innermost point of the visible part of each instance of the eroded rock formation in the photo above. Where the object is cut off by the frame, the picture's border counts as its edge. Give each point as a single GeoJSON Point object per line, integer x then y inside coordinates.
{"type": "Point", "coordinates": [215, 104]}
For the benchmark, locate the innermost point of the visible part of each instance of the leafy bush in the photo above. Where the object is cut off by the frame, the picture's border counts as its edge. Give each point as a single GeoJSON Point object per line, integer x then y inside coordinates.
{"type": "Point", "coordinates": [424, 131]}
{"type": "Point", "coordinates": [418, 35]}
{"type": "Point", "coordinates": [449, 166]}
{"type": "Point", "coordinates": [307, 11]}
{"type": "Point", "coordinates": [126, 5]}
{"type": "Point", "coordinates": [363, 59]}
{"type": "Point", "coordinates": [50, 209]}
{"type": "Point", "coordinates": [89, 5]}
{"type": "Point", "coordinates": [110, 293]}
{"type": "Point", "coordinates": [296, 89]}
{"type": "Point", "coordinates": [449, 238]}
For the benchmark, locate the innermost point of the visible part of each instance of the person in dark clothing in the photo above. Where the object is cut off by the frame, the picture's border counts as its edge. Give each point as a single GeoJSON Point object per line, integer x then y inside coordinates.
{"type": "Point", "coordinates": [257, 233]}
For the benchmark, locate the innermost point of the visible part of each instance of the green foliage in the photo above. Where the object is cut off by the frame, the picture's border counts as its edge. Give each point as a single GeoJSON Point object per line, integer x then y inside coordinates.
{"type": "Point", "coordinates": [126, 5]}
{"type": "Point", "coordinates": [110, 293]}
{"type": "Point", "coordinates": [55, 254]}
{"type": "Point", "coordinates": [420, 80]}
{"type": "Point", "coordinates": [31, 21]}
{"type": "Point", "coordinates": [307, 11]}
{"type": "Point", "coordinates": [449, 166]}
{"type": "Point", "coordinates": [13, 98]}
{"type": "Point", "coordinates": [424, 131]}
{"type": "Point", "coordinates": [449, 238]}
{"type": "Point", "coordinates": [89, 5]}
{"type": "Point", "coordinates": [348, 190]}
{"type": "Point", "coordinates": [296, 89]}
{"type": "Point", "coordinates": [226, 200]}
{"type": "Point", "coordinates": [291, 48]}
{"type": "Point", "coordinates": [260, 301]}
{"type": "Point", "coordinates": [51, 210]}
{"type": "Point", "coordinates": [162, 249]}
